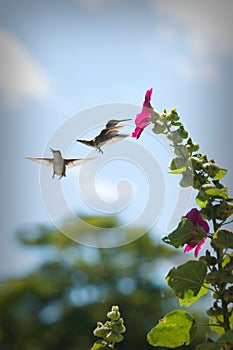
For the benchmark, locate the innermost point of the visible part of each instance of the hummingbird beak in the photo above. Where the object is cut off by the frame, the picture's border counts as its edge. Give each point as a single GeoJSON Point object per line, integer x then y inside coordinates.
{"type": "Point", "coordinates": [52, 150]}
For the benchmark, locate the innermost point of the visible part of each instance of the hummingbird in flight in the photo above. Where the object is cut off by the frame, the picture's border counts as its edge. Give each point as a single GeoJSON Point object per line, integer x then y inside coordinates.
{"type": "Point", "coordinates": [107, 135]}
{"type": "Point", "coordinates": [58, 163]}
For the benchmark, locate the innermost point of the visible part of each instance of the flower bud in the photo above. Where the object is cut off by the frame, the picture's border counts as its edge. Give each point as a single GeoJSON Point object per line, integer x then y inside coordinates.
{"type": "Point", "coordinates": [187, 179]}
{"type": "Point", "coordinates": [178, 163]}
{"type": "Point", "coordinates": [118, 326]}
{"type": "Point", "coordinates": [183, 133]}
{"type": "Point", "coordinates": [197, 163]}
{"type": "Point", "coordinates": [228, 295]}
{"type": "Point", "coordinates": [181, 151]}
{"type": "Point", "coordinates": [192, 146]}
{"type": "Point", "coordinates": [215, 311]}
{"type": "Point", "coordinates": [198, 181]}
{"type": "Point", "coordinates": [213, 277]}
{"type": "Point", "coordinates": [216, 295]}
{"type": "Point", "coordinates": [114, 337]}
{"type": "Point", "coordinates": [159, 127]}
{"type": "Point", "coordinates": [154, 116]}
{"type": "Point", "coordinates": [208, 260]}
{"type": "Point", "coordinates": [211, 169]}
{"type": "Point", "coordinates": [101, 331]}
{"type": "Point", "coordinates": [176, 137]}
{"type": "Point", "coordinates": [173, 115]}
{"type": "Point", "coordinates": [169, 136]}
{"type": "Point", "coordinates": [114, 314]}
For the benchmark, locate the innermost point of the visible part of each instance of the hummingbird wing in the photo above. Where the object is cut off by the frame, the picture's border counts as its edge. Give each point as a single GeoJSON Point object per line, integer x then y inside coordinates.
{"type": "Point", "coordinates": [87, 142]}
{"type": "Point", "coordinates": [104, 136]}
{"type": "Point", "coordinates": [113, 122]}
{"type": "Point", "coordinates": [44, 161]}
{"type": "Point", "coordinates": [111, 137]}
{"type": "Point", "coordinates": [77, 161]}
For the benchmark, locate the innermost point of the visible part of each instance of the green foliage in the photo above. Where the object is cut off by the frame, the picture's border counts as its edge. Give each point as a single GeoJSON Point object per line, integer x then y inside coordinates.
{"type": "Point", "coordinates": [175, 329]}
{"type": "Point", "coordinates": [213, 271]}
{"type": "Point", "coordinates": [181, 235]}
{"type": "Point", "coordinates": [223, 239]}
{"type": "Point", "coordinates": [187, 280]}
{"type": "Point", "coordinates": [218, 317]}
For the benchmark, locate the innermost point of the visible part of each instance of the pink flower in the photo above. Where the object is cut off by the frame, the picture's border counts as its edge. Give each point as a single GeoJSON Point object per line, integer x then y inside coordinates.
{"type": "Point", "coordinates": [195, 217]}
{"type": "Point", "coordinates": [142, 119]}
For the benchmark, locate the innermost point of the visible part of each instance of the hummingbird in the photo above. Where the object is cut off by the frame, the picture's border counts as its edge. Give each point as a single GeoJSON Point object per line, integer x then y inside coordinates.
{"type": "Point", "coordinates": [58, 163]}
{"type": "Point", "coordinates": [107, 135]}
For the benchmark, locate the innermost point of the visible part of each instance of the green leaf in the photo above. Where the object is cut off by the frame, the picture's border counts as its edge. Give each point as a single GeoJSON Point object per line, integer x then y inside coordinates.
{"type": "Point", "coordinates": [223, 239]}
{"type": "Point", "coordinates": [101, 345]}
{"type": "Point", "coordinates": [202, 200]}
{"type": "Point", "coordinates": [189, 297]}
{"type": "Point", "coordinates": [181, 235]}
{"type": "Point", "coordinates": [220, 174]}
{"type": "Point", "coordinates": [176, 123]}
{"type": "Point", "coordinates": [175, 329]}
{"type": "Point", "coordinates": [227, 259]}
{"type": "Point", "coordinates": [215, 320]}
{"type": "Point", "coordinates": [218, 192]}
{"type": "Point", "coordinates": [178, 171]}
{"type": "Point", "coordinates": [187, 280]}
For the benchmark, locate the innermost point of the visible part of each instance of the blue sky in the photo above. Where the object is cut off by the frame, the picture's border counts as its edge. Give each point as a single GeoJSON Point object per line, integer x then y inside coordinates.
{"type": "Point", "coordinates": [59, 59]}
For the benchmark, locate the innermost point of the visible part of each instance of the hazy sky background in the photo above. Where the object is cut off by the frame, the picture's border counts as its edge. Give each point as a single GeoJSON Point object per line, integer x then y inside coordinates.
{"type": "Point", "coordinates": [59, 58]}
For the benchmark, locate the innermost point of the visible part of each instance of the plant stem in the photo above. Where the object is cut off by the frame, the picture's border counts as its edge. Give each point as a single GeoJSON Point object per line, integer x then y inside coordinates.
{"type": "Point", "coordinates": [222, 286]}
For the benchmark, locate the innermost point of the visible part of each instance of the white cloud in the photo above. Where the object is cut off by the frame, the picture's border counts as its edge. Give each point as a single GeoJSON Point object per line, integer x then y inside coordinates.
{"type": "Point", "coordinates": [191, 69]}
{"type": "Point", "coordinates": [204, 29]}
{"type": "Point", "coordinates": [21, 76]}
{"type": "Point", "coordinates": [207, 24]}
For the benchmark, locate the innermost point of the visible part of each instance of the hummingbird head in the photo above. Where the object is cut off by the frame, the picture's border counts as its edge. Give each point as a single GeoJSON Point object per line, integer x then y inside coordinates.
{"type": "Point", "coordinates": [54, 151]}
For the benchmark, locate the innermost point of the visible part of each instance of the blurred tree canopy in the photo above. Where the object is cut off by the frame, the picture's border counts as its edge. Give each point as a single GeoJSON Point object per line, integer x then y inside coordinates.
{"type": "Point", "coordinates": [58, 304]}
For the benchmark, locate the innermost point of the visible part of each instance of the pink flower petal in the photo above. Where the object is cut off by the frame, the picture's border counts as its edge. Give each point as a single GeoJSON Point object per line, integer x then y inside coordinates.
{"type": "Point", "coordinates": [141, 119]}
{"type": "Point", "coordinates": [188, 248]}
{"type": "Point", "coordinates": [137, 132]}
{"type": "Point", "coordinates": [195, 217]}
{"type": "Point", "coordinates": [200, 244]}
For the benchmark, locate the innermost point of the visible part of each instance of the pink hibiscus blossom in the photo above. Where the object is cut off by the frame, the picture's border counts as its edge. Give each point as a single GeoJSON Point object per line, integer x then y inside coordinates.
{"type": "Point", "coordinates": [195, 217]}
{"type": "Point", "coordinates": [142, 119]}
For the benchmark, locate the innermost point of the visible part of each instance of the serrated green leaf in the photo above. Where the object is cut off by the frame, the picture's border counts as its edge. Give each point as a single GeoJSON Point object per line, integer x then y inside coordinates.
{"type": "Point", "coordinates": [175, 329]}
{"type": "Point", "coordinates": [223, 239]}
{"type": "Point", "coordinates": [189, 297]}
{"type": "Point", "coordinates": [178, 171]}
{"type": "Point", "coordinates": [218, 192]}
{"type": "Point", "coordinates": [181, 235]}
{"type": "Point", "coordinates": [187, 280]}
{"type": "Point", "coordinates": [220, 174]}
